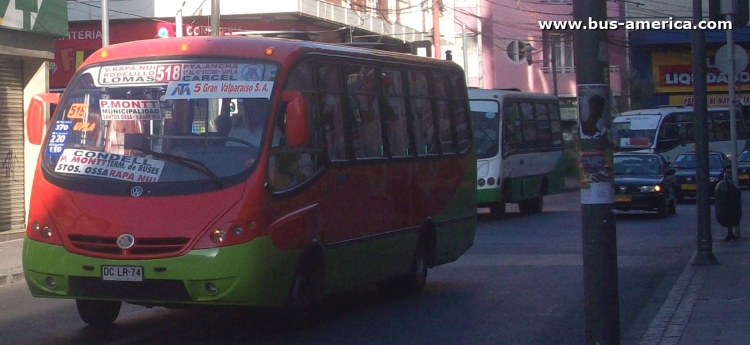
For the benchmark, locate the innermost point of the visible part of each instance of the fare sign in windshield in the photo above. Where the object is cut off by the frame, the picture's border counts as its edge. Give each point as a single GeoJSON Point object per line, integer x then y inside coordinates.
{"type": "Point", "coordinates": [109, 165]}
{"type": "Point", "coordinates": [144, 74]}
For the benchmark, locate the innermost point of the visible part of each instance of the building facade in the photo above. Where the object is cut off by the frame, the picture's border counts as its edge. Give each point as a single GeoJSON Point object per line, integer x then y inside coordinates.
{"type": "Point", "coordinates": [27, 33]}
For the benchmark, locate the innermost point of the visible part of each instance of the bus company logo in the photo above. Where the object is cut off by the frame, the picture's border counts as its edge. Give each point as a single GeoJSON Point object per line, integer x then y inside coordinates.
{"type": "Point", "coordinates": [252, 73]}
{"type": "Point", "coordinates": [125, 241]}
{"type": "Point", "coordinates": [136, 191]}
{"type": "Point", "coordinates": [181, 89]}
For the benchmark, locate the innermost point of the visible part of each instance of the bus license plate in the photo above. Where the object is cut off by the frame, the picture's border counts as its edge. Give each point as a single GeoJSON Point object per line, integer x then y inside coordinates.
{"type": "Point", "coordinates": [688, 187]}
{"type": "Point", "coordinates": [122, 273]}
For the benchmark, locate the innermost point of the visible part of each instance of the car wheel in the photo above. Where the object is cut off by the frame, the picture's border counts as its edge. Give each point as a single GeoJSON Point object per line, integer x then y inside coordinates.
{"type": "Point", "coordinates": [98, 313]}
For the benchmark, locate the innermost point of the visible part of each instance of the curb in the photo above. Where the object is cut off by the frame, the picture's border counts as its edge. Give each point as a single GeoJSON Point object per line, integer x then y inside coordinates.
{"type": "Point", "coordinates": [11, 278]}
{"type": "Point", "coordinates": [12, 235]}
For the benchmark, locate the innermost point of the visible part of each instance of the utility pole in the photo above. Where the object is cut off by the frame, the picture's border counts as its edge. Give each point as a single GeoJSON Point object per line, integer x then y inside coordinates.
{"type": "Point", "coordinates": [435, 27]}
{"type": "Point", "coordinates": [704, 255]}
{"type": "Point", "coordinates": [215, 17]}
{"type": "Point", "coordinates": [105, 23]}
{"type": "Point", "coordinates": [599, 236]}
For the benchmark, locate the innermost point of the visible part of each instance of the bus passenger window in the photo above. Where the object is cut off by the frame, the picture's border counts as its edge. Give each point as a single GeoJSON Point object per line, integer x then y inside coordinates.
{"type": "Point", "coordinates": [443, 115]}
{"type": "Point", "coordinates": [513, 132]}
{"type": "Point", "coordinates": [424, 131]}
{"type": "Point", "coordinates": [332, 115]}
{"type": "Point", "coordinates": [394, 113]}
{"type": "Point", "coordinates": [460, 115]}
{"type": "Point", "coordinates": [364, 102]}
{"type": "Point", "coordinates": [529, 127]}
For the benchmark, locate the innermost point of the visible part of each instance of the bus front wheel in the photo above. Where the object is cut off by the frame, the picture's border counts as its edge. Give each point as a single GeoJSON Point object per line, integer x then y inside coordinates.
{"type": "Point", "coordinates": [98, 313]}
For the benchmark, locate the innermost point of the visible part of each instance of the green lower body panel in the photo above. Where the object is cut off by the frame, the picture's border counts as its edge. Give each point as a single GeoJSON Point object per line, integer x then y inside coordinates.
{"type": "Point", "coordinates": [488, 196]}
{"type": "Point", "coordinates": [249, 274]}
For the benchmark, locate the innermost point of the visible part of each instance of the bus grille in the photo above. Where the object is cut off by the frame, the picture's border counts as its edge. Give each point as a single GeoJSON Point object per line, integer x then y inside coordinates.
{"type": "Point", "coordinates": [142, 247]}
{"type": "Point", "coordinates": [147, 290]}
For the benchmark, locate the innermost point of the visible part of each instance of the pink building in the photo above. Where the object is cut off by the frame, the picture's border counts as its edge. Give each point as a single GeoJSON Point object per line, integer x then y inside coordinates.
{"type": "Point", "coordinates": [504, 30]}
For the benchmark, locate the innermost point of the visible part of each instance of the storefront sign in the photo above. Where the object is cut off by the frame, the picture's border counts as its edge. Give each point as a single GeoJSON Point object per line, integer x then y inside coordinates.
{"type": "Point", "coordinates": [673, 72]}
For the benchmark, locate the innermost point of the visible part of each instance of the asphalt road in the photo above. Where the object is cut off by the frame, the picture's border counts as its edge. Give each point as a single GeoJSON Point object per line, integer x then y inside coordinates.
{"type": "Point", "coordinates": [521, 283]}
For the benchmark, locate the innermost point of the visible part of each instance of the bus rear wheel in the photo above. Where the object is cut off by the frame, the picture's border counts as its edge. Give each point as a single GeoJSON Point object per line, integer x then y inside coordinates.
{"type": "Point", "coordinates": [98, 313]}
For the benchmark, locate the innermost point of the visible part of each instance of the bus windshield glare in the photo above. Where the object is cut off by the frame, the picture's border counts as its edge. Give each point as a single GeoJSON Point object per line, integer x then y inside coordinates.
{"type": "Point", "coordinates": [486, 125]}
{"type": "Point", "coordinates": [635, 132]}
{"type": "Point", "coordinates": [143, 123]}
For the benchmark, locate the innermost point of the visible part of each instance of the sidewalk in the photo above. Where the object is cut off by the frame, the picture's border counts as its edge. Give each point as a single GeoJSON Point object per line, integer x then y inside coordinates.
{"type": "Point", "coordinates": [11, 269]}
{"type": "Point", "coordinates": [707, 305]}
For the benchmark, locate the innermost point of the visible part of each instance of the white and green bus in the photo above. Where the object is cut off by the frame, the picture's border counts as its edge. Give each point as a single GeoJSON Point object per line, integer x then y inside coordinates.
{"type": "Point", "coordinates": [519, 148]}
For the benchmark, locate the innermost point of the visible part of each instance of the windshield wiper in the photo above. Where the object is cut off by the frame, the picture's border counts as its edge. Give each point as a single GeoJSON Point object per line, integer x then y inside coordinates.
{"type": "Point", "coordinates": [186, 162]}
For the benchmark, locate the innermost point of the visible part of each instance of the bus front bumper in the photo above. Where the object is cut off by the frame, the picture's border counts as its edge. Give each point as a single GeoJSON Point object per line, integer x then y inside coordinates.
{"type": "Point", "coordinates": [250, 274]}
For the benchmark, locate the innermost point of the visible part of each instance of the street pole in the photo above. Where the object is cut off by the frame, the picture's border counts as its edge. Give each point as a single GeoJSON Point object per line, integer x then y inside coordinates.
{"type": "Point", "coordinates": [704, 255]}
{"type": "Point", "coordinates": [729, 12]}
{"type": "Point", "coordinates": [599, 236]}
{"type": "Point", "coordinates": [215, 17]}
{"type": "Point", "coordinates": [466, 52]}
{"type": "Point", "coordinates": [435, 28]}
{"type": "Point", "coordinates": [105, 23]}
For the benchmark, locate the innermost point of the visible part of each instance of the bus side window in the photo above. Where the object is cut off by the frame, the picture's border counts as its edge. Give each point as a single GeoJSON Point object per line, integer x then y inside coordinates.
{"type": "Point", "coordinates": [332, 114]}
{"type": "Point", "coordinates": [364, 103]}
{"type": "Point", "coordinates": [513, 132]}
{"type": "Point", "coordinates": [685, 127]}
{"type": "Point", "coordinates": [530, 140]}
{"type": "Point", "coordinates": [421, 114]}
{"type": "Point", "coordinates": [460, 115]}
{"type": "Point", "coordinates": [668, 136]}
{"type": "Point", "coordinates": [721, 125]}
{"type": "Point", "coordinates": [394, 113]}
{"type": "Point", "coordinates": [542, 125]}
{"type": "Point", "coordinates": [289, 167]}
{"type": "Point", "coordinates": [445, 131]}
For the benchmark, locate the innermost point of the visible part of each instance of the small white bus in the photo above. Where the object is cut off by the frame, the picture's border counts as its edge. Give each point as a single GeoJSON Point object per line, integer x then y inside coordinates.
{"type": "Point", "coordinates": [670, 131]}
{"type": "Point", "coordinates": [519, 144]}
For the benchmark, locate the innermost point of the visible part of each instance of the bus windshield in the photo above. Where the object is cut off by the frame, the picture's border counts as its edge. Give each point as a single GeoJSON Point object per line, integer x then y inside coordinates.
{"type": "Point", "coordinates": [161, 121]}
{"type": "Point", "coordinates": [486, 128]}
{"type": "Point", "coordinates": [635, 132]}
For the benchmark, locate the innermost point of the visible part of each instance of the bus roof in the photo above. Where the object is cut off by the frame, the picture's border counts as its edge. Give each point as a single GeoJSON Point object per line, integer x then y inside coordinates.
{"type": "Point", "coordinates": [475, 93]}
{"type": "Point", "coordinates": [664, 111]}
{"type": "Point", "coordinates": [244, 47]}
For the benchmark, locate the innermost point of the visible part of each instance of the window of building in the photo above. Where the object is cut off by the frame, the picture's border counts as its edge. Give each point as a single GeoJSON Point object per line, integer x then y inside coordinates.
{"type": "Point", "coordinates": [515, 51]}
{"type": "Point", "coordinates": [561, 45]}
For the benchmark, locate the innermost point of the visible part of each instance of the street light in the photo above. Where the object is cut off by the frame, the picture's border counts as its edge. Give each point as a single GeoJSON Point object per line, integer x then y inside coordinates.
{"type": "Point", "coordinates": [528, 52]}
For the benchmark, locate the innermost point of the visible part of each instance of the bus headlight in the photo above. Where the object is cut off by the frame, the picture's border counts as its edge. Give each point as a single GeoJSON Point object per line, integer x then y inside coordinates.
{"type": "Point", "coordinates": [650, 189]}
{"type": "Point", "coordinates": [218, 236]}
{"type": "Point", "coordinates": [491, 181]}
{"type": "Point", "coordinates": [46, 231]}
{"type": "Point", "coordinates": [480, 182]}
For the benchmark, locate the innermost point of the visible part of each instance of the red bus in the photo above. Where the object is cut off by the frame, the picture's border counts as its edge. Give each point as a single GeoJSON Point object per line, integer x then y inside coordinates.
{"type": "Point", "coordinates": [250, 172]}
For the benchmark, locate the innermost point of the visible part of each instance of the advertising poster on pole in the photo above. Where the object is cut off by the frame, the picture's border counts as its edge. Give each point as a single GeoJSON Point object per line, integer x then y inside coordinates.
{"type": "Point", "coordinates": [595, 160]}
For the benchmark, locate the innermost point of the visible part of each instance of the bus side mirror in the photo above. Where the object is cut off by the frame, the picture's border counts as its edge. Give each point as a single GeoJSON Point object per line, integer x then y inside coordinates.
{"type": "Point", "coordinates": [297, 119]}
{"type": "Point", "coordinates": [36, 115]}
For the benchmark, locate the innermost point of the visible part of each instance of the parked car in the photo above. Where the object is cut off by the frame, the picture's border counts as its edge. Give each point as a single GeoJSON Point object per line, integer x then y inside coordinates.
{"type": "Point", "coordinates": [684, 165]}
{"type": "Point", "coordinates": [644, 181]}
{"type": "Point", "coordinates": [743, 168]}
